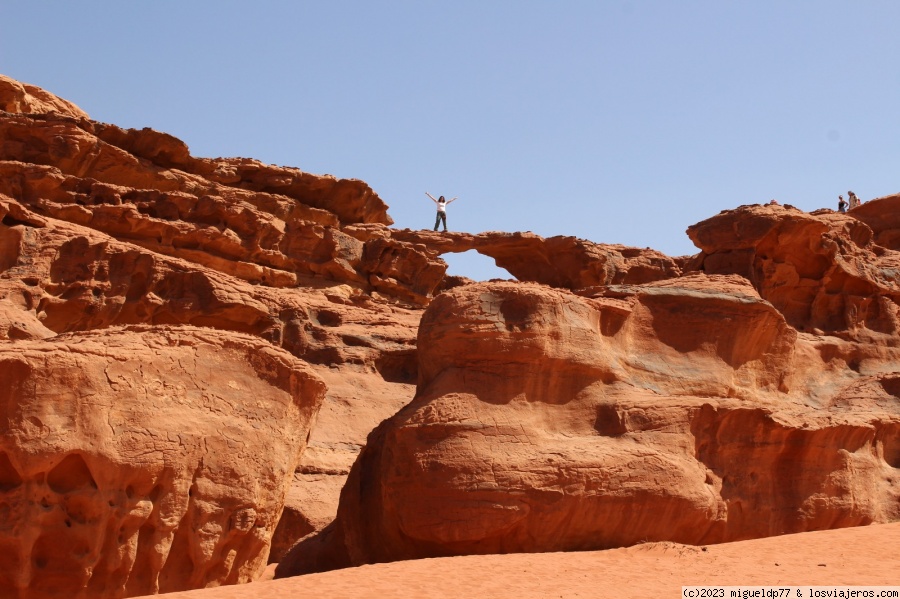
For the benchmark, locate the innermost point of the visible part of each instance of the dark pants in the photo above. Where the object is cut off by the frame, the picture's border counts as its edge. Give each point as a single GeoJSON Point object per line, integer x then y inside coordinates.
{"type": "Point", "coordinates": [441, 217]}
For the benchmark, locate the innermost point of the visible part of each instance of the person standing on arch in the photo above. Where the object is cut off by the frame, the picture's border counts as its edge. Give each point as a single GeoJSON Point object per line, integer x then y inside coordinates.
{"type": "Point", "coordinates": [441, 210]}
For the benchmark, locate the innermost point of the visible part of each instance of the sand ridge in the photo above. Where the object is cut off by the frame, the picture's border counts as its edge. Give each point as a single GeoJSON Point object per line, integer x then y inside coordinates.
{"type": "Point", "coordinates": [851, 556]}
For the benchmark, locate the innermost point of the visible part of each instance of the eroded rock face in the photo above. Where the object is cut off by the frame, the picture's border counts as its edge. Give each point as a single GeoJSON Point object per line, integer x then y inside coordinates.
{"type": "Point", "coordinates": [138, 460]}
{"type": "Point", "coordinates": [22, 97]}
{"type": "Point", "coordinates": [617, 395]}
{"type": "Point", "coordinates": [102, 228]}
{"type": "Point", "coordinates": [562, 261]}
{"type": "Point", "coordinates": [67, 278]}
{"type": "Point", "coordinates": [823, 271]}
{"type": "Point", "coordinates": [679, 410]}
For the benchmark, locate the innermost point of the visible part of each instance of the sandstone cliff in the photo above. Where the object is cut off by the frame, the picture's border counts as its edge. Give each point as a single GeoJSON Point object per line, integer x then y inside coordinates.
{"type": "Point", "coordinates": [196, 354]}
{"type": "Point", "coordinates": [133, 460]}
{"type": "Point", "coordinates": [103, 228]}
{"type": "Point", "coordinates": [751, 390]}
{"type": "Point", "coordinates": [687, 410]}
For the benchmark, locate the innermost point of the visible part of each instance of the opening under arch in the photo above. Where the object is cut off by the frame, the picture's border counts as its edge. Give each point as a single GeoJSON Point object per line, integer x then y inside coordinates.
{"type": "Point", "coordinates": [474, 266]}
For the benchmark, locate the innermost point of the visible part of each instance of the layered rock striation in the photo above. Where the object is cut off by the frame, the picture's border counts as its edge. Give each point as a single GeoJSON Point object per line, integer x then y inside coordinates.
{"type": "Point", "coordinates": [826, 272]}
{"type": "Point", "coordinates": [755, 394]}
{"type": "Point", "coordinates": [139, 460]}
{"type": "Point", "coordinates": [104, 230]}
{"type": "Point", "coordinates": [197, 356]}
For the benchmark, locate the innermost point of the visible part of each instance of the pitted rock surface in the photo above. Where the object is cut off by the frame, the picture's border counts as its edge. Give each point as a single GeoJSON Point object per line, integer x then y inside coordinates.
{"type": "Point", "coordinates": [684, 410]}
{"type": "Point", "coordinates": [139, 460]}
{"type": "Point", "coordinates": [612, 395]}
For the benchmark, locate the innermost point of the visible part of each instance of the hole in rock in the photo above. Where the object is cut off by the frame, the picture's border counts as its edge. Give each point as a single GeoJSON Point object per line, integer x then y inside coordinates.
{"type": "Point", "coordinates": [475, 266]}
{"type": "Point", "coordinates": [11, 221]}
{"type": "Point", "coordinates": [9, 476]}
{"type": "Point", "coordinates": [609, 422]}
{"type": "Point", "coordinates": [328, 318]}
{"type": "Point", "coordinates": [399, 367]}
{"type": "Point", "coordinates": [890, 439]}
{"type": "Point", "coordinates": [70, 475]}
{"type": "Point", "coordinates": [891, 385]}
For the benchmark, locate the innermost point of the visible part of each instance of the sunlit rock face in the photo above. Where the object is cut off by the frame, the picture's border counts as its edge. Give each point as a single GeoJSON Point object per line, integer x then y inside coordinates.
{"type": "Point", "coordinates": [170, 324]}
{"type": "Point", "coordinates": [828, 272]}
{"type": "Point", "coordinates": [686, 410]}
{"type": "Point", "coordinates": [139, 461]}
{"type": "Point", "coordinates": [103, 227]}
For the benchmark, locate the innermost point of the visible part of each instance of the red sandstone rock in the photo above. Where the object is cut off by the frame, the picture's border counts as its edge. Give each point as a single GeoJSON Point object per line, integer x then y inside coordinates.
{"type": "Point", "coordinates": [310, 506]}
{"type": "Point", "coordinates": [59, 277]}
{"type": "Point", "coordinates": [261, 241]}
{"type": "Point", "coordinates": [22, 97]}
{"type": "Point", "coordinates": [748, 391]}
{"type": "Point", "coordinates": [147, 159]}
{"type": "Point", "coordinates": [564, 262]}
{"type": "Point", "coordinates": [70, 278]}
{"type": "Point", "coordinates": [136, 461]}
{"type": "Point", "coordinates": [186, 259]}
{"type": "Point", "coordinates": [882, 215]}
{"type": "Point", "coordinates": [685, 410]}
{"type": "Point", "coordinates": [103, 227]}
{"type": "Point", "coordinates": [822, 271]}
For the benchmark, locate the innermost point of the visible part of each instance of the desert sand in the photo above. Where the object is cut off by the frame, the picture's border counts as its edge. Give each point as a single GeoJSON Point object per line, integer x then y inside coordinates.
{"type": "Point", "coordinates": [862, 556]}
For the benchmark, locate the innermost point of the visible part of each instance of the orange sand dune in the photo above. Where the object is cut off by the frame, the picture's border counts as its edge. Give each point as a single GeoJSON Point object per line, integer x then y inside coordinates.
{"type": "Point", "coordinates": [850, 556]}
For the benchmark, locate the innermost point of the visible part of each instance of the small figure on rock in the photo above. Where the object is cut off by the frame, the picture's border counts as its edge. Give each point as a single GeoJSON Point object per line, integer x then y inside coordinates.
{"type": "Point", "coordinates": [854, 201]}
{"type": "Point", "coordinates": [842, 205]}
{"type": "Point", "coordinates": [774, 203]}
{"type": "Point", "coordinates": [441, 210]}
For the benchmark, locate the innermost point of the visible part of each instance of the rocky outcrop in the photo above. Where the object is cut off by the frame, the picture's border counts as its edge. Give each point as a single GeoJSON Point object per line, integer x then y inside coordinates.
{"type": "Point", "coordinates": [686, 410]}
{"type": "Point", "coordinates": [22, 97]}
{"type": "Point", "coordinates": [191, 344]}
{"type": "Point", "coordinates": [882, 217]}
{"type": "Point", "coordinates": [251, 235]}
{"type": "Point", "coordinates": [824, 271]}
{"type": "Point", "coordinates": [102, 228]}
{"type": "Point", "coordinates": [561, 261]}
{"type": "Point", "coordinates": [138, 460]}
{"type": "Point", "coordinates": [61, 277]}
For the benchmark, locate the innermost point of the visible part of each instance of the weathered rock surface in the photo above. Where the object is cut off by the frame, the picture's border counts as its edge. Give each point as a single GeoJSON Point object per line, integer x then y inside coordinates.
{"type": "Point", "coordinates": [102, 227]}
{"type": "Point", "coordinates": [686, 410]}
{"type": "Point", "coordinates": [562, 262]}
{"type": "Point", "coordinates": [22, 97]}
{"type": "Point", "coordinates": [614, 395]}
{"type": "Point", "coordinates": [66, 278]}
{"type": "Point", "coordinates": [137, 460]}
{"type": "Point", "coordinates": [822, 271]}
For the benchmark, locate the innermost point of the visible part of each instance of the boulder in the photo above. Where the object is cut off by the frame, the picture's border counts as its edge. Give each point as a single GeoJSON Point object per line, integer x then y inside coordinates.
{"type": "Point", "coordinates": [679, 410]}
{"type": "Point", "coordinates": [141, 460]}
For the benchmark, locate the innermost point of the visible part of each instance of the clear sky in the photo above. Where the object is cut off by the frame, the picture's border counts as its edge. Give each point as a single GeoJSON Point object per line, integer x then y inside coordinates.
{"type": "Point", "coordinates": [618, 121]}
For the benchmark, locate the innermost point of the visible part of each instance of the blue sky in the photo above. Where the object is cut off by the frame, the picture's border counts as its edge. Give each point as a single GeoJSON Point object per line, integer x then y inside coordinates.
{"type": "Point", "coordinates": [615, 121]}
